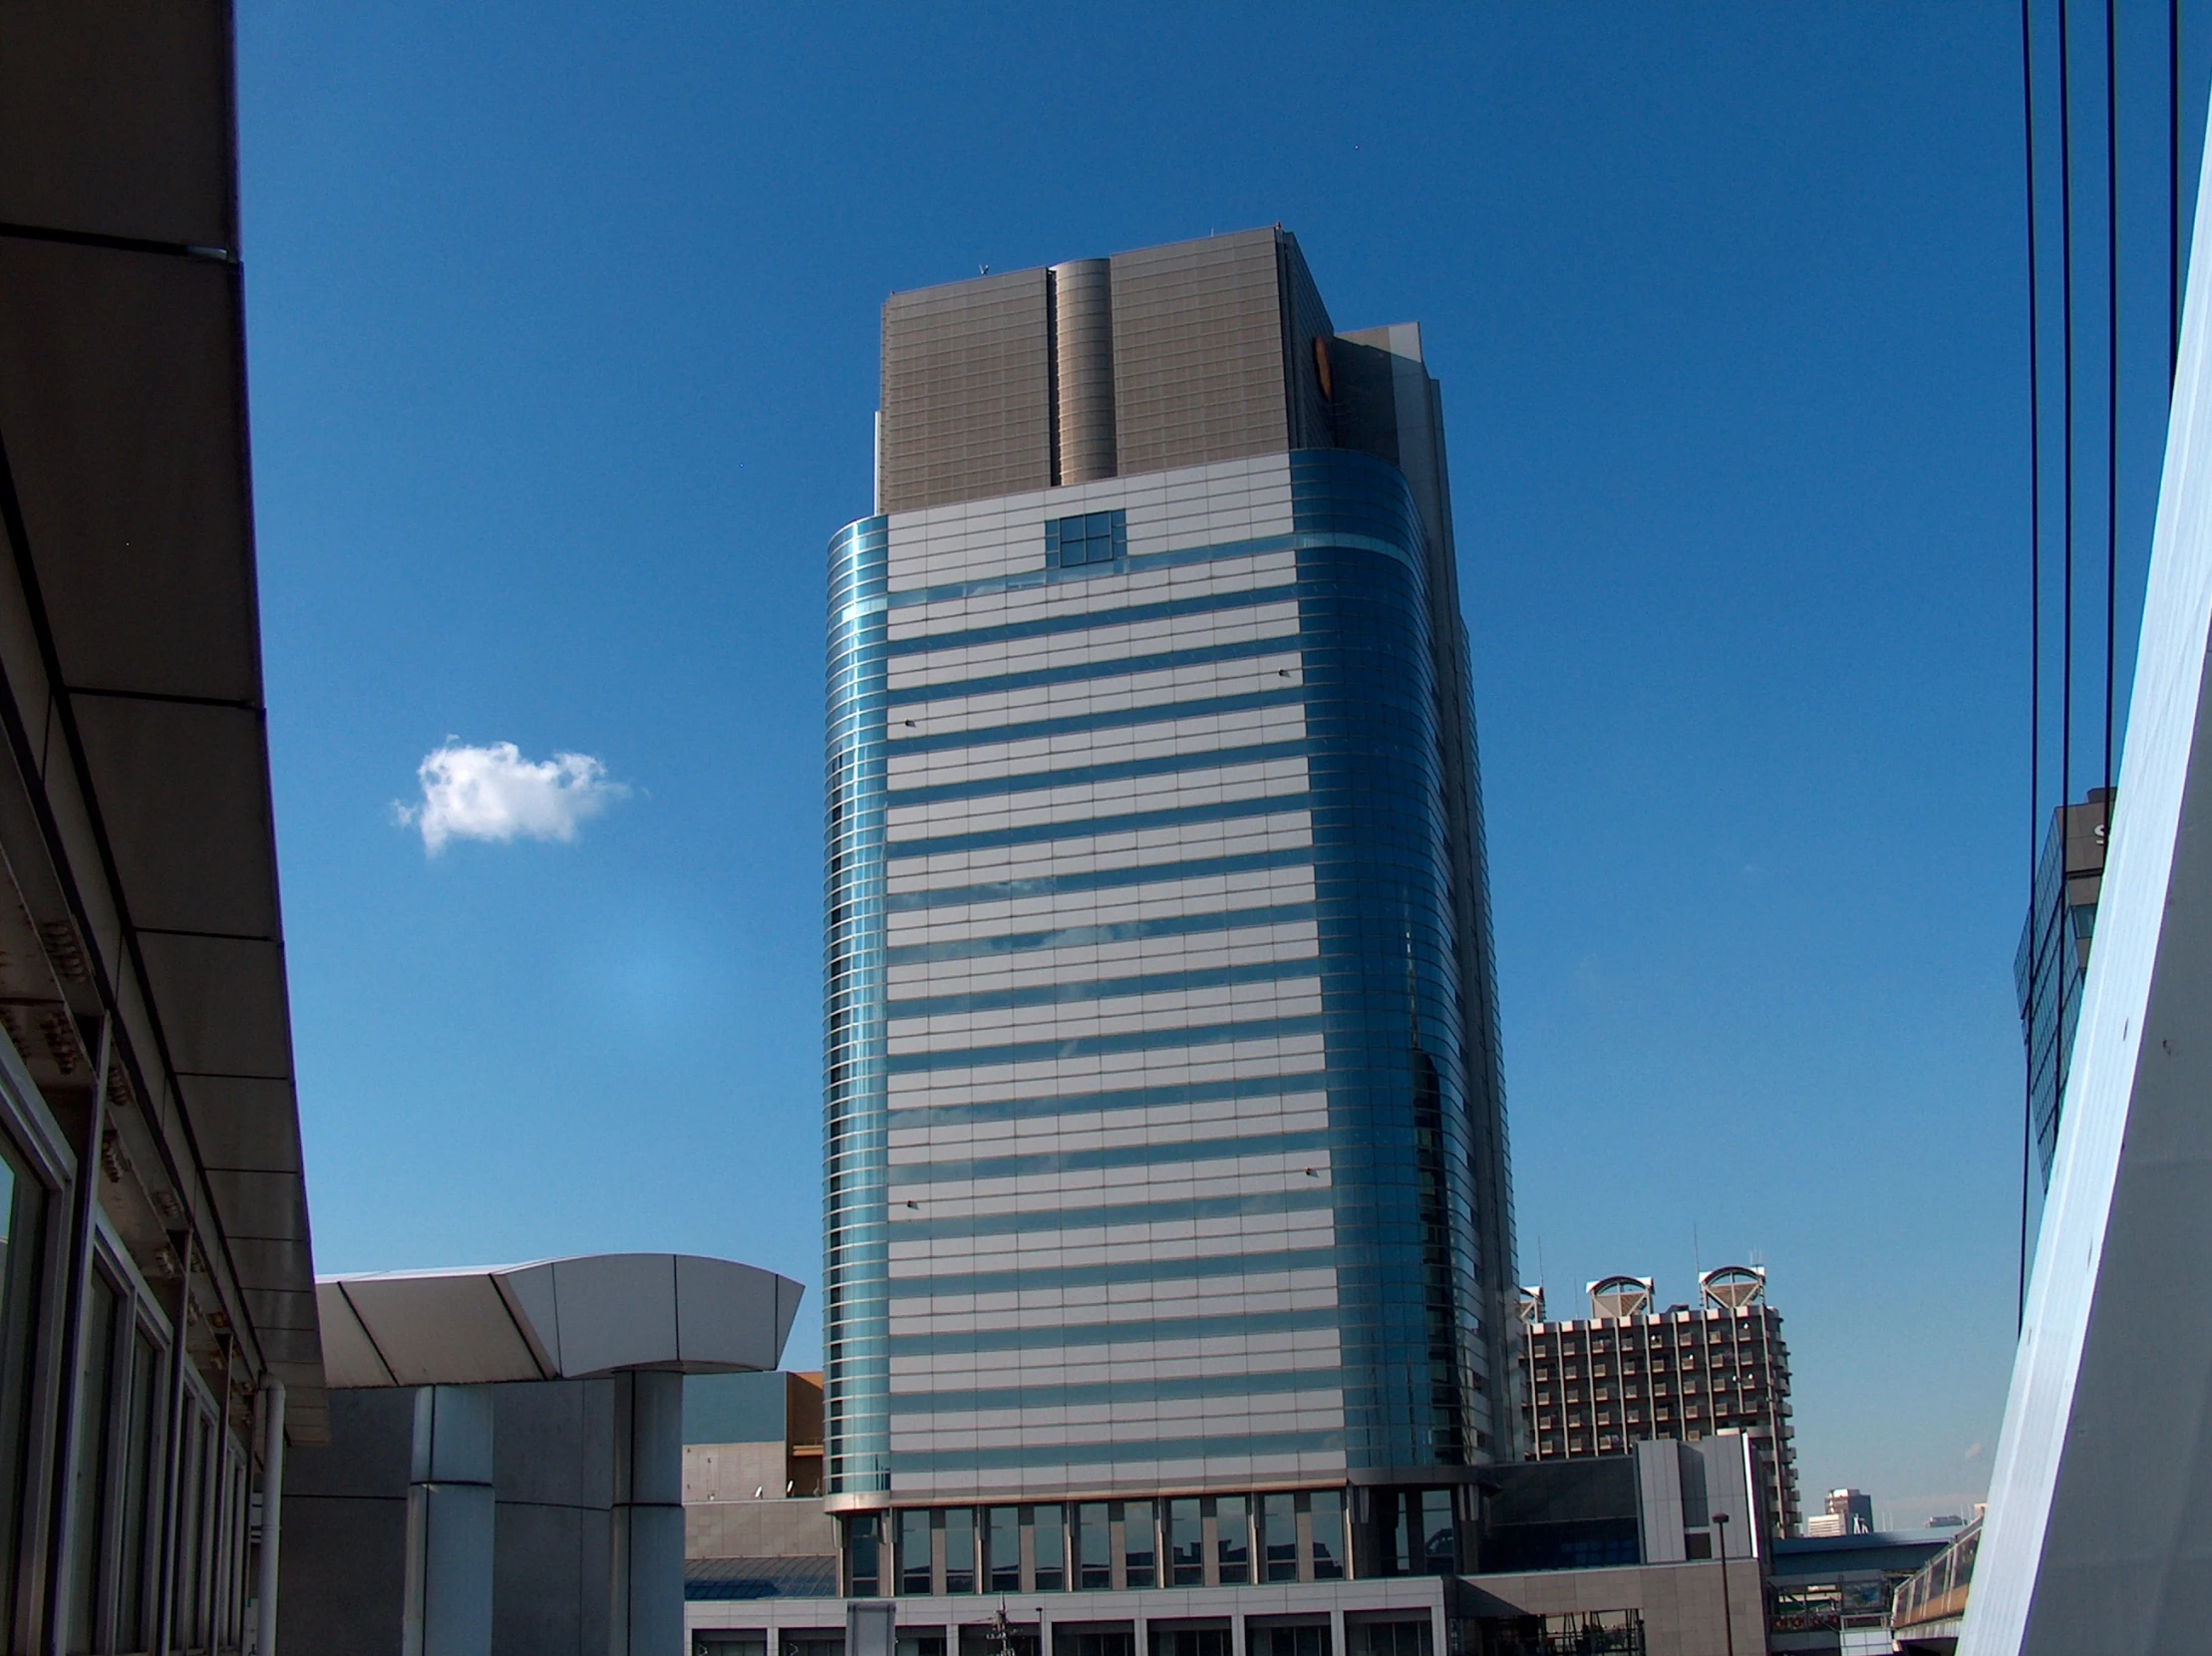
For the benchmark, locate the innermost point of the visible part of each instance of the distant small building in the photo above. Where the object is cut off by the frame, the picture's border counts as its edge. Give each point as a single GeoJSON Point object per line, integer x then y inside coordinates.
{"type": "Point", "coordinates": [1629, 1374]}
{"type": "Point", "coordinates": [1849, 1512]}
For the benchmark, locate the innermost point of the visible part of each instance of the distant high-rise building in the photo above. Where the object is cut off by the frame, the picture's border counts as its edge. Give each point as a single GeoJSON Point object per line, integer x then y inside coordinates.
{"type": "Point", "coordinates": [1169, 1215]}
{"type": "Point", "coordinates": [1847, 1512]}
{"type": "Point", "coordinates": [2053, 960]}
{"type": "Point", "coordinates": [1629, 1373]}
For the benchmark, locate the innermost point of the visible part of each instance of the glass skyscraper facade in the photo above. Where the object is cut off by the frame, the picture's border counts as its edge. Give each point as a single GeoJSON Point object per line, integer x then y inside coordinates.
{"type": "Point", "coordinates": [2052, 966]}
{"type": "Point", "coordinates": [1169, 1203]}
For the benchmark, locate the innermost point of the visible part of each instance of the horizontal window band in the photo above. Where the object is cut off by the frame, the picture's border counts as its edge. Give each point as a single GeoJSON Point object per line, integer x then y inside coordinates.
{"type": "Point", "coordinates": [1029, 834]}
{"type": "Point", "coordinates": [1086, 1455]}
{"type": "Point", "coordinates": [1127, 931]}
{"type": "Point", "coordinates": [1076, 776]}
{"type": "Point", "coordinates": [1119, 1273]}
{"type": "Point", "coordinates": [1230, 1325]}
{"type": "Point", "coordinates": [1177, 1389]}
{"type": "Point", "coordinates": [1080, 724]}
{"type": "Point", "coordinates": [1307, 540]}
{"type": "Point", "coordinates": [1023, 581]}
{"type": "Point", "coordinates": [1099, 879]}
{"type": "Point", "coordinates": [992, 684]}
{"type": "Point", "coordinates": [1050, 626]}
{"type": "Point", "coordinates": [1127, 1098]}
{"type": "Point", "coordinates": [1110, 988]}
{"type": "Point", "coordinates": [1066, 1218]}
{"type": "Point", "coordinates": [1165, 1152]}
{"type": "Point", "coordinates": [1088, 1046]}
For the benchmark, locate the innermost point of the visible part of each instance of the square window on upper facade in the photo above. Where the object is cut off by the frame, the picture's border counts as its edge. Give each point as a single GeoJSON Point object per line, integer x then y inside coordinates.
{"type": "Point", "coordinates": [1087, 538]}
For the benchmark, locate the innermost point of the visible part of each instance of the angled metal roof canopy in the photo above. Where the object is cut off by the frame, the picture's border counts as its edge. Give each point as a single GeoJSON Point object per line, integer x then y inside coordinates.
{"type": "Point", "coordinates": [558, 1319]}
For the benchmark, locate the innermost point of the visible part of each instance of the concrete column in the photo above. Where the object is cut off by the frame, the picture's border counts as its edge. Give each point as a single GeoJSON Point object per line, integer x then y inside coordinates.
{"type": "Point", "coordinates": [272, 1516]}
{"type": "Point", "coordinates": [648, 1527]}
{"type": "Point", "coordinates": [1082, 366]}
{"type": "Point", "coordinates": [1336, 1630]}
{"type": "Point", "coordinates": [449, 1510]}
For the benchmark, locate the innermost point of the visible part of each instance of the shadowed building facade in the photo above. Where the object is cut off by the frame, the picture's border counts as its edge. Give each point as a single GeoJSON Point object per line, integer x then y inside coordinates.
{"type": "Point", "coordinates": [1169, 1203]}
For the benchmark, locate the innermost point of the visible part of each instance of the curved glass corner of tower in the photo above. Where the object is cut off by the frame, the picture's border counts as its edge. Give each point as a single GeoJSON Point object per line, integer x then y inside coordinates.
{"type": "Point", "coordinates": [856, 1375]}
{"type": "Point", "coordinates": [1407, 1273]}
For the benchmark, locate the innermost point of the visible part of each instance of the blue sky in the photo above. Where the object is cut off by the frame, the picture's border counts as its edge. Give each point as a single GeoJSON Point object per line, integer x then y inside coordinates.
{"type": "Point", "coordinates": [563, 324]}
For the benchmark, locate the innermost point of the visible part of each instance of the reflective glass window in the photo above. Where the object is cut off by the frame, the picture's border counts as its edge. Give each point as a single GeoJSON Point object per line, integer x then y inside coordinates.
{"type": "Point", "coordinates": [1326, 1510]}
{"type": "Point", "coordinates": [1233, 1539]}
{"type": "Point", "coordinates": [139, 1424]}
{"type": "Point", "coordinates": [22, 1218]}
{"type": "Point", "coordinates": [1439, 1538]}
{"type": "Point", "coordinates": [1048, 1547]}
{"type": "Point", "coordinates": [1139, 1556]}
{"type": "Point", "coordinates": [863, 1554]}
{"type": "Point", "coordinates": [1093, 1563]}
{"type": "Point", "coordinates": [1089, 537]}
{"type": "Point", "coordinates": [1002, 1548]}
{"type": "Point", "coordinates": [88, 1502]}
{"type": "Point", "coordinates": [1279, 1537]}
{"type": "Point", "coordinates": [1190, 1641]}
{"type": "Point", "coordinates": [960, 1548]}
{"type": "Point", "coordinates": [914, 1552]}
{"type": "Point", "coordinates": [1186, 1561]}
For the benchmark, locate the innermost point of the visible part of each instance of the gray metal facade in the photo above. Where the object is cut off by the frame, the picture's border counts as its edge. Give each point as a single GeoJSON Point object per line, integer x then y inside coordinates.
{"type": "Point", "coordinates": [1166, 1137]}
{"type": "Point", "coordinates": [156, 1296]}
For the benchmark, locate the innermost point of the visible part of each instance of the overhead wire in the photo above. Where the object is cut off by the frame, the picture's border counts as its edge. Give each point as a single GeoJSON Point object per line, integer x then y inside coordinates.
{"type": "Point", "coordinates": [2034, 615]}
{"type": "Point", "coordinates": [2113, 391]}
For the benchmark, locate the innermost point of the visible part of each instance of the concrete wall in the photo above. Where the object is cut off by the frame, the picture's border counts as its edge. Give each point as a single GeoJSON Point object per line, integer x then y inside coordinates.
{"type": "Point", "coordinates": [734, 1471]}
{"type": "Point", "coordinates": [1680, 1603]}
{"type": "Point", "coordinates": [759, 1529]}
{"type": "Point", "coordinates": [345, 1531]}
{"type": "Point", "coordinates": [569, 1472]}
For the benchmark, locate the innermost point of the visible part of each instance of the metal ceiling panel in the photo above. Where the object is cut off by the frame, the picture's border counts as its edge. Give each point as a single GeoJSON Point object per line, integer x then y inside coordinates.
{"type": "Point", "coordinates": [244, 1122]}
{"type": "Point", "coordinates": [122, 398]}
{"type": "Point", "coordinates": [183, 792]}
{"type": "Point", "coordinates": [222, 1004]}
{"type": "Point", "coordinates": [270, 1205]}
{"type": "Point", "coordinates": [117, 119]}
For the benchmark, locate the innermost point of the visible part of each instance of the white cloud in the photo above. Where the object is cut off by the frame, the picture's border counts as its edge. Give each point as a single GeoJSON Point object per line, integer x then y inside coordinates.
{"type": "Point", "coordinates": [493, 793]}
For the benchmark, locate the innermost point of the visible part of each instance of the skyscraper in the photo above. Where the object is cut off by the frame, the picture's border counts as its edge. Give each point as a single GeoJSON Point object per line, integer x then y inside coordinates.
{"type": "Point", "coordinates": [1169, 1230]}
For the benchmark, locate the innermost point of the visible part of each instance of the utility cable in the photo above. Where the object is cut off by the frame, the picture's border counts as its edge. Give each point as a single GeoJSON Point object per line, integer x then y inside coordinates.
{"type": "Point", "coordinates": [2113, 391]}
{"type": "Point", "coordinates": [2066, 538]}
{"type": "Point", "coordinates": [2034, 631]}
{"type": "Point", "coordinates": [2173, 192]}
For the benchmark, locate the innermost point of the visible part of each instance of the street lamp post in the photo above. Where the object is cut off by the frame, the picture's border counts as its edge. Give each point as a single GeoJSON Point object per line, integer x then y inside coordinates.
{"type": "Point", "coordinates": [1727, 1616]}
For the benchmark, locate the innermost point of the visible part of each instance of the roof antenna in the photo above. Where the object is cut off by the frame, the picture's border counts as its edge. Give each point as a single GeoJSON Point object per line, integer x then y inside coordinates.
{"type": "Point", "coordinates": [983, 270]}
{"type": "Point", "coordinates": [1697, 1251]}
